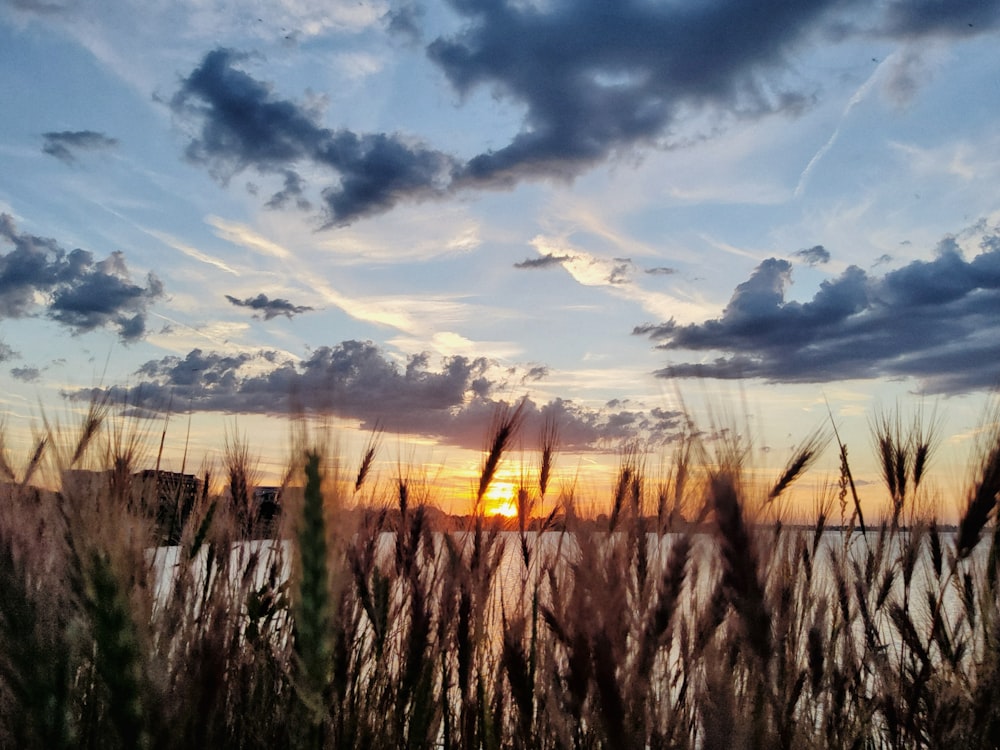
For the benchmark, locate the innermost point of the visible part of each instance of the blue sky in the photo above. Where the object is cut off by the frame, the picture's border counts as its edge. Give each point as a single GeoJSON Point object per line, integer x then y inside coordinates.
{"type": "Point", "coordinates": [403, 213]}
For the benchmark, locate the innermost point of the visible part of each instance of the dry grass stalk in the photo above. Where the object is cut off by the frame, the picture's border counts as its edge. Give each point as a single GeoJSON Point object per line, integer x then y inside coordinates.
{"type": "Point", "coordinates": [983, 496]}
{"type": "Point", "coordinates": [506, 422]}
{"type": "Point", "coordinates": [739, 564]}
{"type": "Point", "coordinates": [924, 439]}
{"type": "Point", "coordinates": [804, 455]}
{"type": "Point", "coordinates": [368, 458]}
{"type": "Point", "coordinates": [241, 471]}
{"type": "Point", "coordinates": [35, 461]}
{"type": "Point", "coordinates": [893, 458]}
{"type": "Point", "coordinates": [93, 420]}
{"type": "Point", "coordinates": [628, 486]}
{"type": "Point", "coordinates": [846, 482]}
{"type": "Point", "coordinates": [548, 443]}
{"type": "Point", "coordinates": [7, 473]}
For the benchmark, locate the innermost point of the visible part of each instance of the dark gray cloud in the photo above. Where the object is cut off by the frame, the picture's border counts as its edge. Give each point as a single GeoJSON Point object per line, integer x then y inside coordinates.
{"type": "Point", "coordinates": [355, 380]}
{"type": "Point", "coordinates": [544, 261]}
{"type": "Point", "coordinates": [814, 256]}
{"type": "Point", "coordinates": [593, 82]}
{"type": "Point", "coordinates": [26, 374]}
{"type": "Point", "coordinates": [45, 7]}
{"type": "Point", "coordinates": [621, 272]}
{"type": "Point", "coordinates": [538, 372]}
{"type": "Point", "coordinates": [404, 20]}
{"type": "Point", "coordinates": [243, 125]}
{"type": "Point", "coordinates": [65, 144]}
{"type": "Point", "coordinates": [78, 291]}
{"type": "Point", "coordinates": [661, 271]}
{"type": "Point", "coordinates": [6, 352]}
{"type": "Point", "coordinates": [937, 321]}
{"type": "Point", "coordinates": [293, 192]}
{"type": "Point", "coordinates": [920, 18]}
{"type": "Point", "coordinates": [269, 308]}
{"type": "Point", "coordinates": [905, 76]}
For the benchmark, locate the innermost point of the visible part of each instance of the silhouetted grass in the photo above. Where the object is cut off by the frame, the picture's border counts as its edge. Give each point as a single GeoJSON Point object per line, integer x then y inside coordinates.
{"type": "Point", "coordinates": [684, 621]}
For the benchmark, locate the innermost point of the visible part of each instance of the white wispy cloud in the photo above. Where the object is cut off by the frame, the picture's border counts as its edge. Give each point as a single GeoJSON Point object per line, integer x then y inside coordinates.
{"type": "Point", "coordinates": [246, 237]}
{"type": "Point", "coordinates": [408, 234]}
{"type": "Point", "coordinates": [616, 276]}
{"type": "Point", "coordinates": [191, 252]}
{"type": "Point", "coordinates": [450, 344]}
{"type": "Point", "coordinates": [962, 159]}
{"type": "Point", "coordinates": [859, 96]}
{"type": "Point", "coordinates": [414, 315]}
{"type": "Point", "coordinates": [180, 337]}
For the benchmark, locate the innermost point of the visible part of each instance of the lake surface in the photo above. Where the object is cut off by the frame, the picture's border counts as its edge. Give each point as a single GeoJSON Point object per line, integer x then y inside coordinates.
{"type": "Point", "coordinates": [251, 563]}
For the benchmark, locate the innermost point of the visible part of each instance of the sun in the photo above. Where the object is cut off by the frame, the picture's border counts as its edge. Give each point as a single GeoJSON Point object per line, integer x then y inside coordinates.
{"type": "Point", "coordinates": [499, 499]}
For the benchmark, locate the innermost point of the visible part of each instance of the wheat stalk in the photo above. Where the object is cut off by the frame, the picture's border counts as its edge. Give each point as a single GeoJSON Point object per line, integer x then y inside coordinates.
{"type": "Point", "coordinates": [506, 422]}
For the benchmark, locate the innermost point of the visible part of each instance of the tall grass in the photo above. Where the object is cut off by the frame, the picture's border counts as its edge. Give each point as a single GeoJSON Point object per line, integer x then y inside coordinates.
{"type": "Point", "coordinates": [695, 617]}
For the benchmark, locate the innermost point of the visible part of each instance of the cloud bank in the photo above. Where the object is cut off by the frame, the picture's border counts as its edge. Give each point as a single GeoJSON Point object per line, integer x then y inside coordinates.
{"type": "Point", "coordinates": [936, 321]}
{"type": "Point", "coordinates": [355, 380]}
{"type": "Point", "coordinates": [593, 81]}
{"type": "Point", "coordinates": [71, 288]}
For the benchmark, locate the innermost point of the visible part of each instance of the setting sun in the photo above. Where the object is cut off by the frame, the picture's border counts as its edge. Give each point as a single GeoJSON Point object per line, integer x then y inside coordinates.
{"type": "Point", "coordinates": [500, 500]}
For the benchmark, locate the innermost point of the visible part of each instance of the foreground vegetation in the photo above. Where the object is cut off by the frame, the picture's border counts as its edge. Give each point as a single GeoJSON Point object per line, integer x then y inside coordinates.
{"type": "Point", "coordinates": [648, 633]}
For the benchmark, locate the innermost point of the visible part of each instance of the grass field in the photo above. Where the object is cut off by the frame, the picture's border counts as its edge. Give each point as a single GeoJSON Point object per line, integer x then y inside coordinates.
{"type": "Point", "coordinates": [371, 628]}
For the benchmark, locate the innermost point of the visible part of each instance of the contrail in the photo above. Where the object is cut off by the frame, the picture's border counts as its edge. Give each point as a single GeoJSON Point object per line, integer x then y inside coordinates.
{"type": "Point", "coordinates": [858, 97]}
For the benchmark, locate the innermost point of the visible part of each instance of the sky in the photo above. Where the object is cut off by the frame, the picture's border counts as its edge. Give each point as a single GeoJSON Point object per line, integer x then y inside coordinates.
{"type": "Point", "coordinates": [397, 215]}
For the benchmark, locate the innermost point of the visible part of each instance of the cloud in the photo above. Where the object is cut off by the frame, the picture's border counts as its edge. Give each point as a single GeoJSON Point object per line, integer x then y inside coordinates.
{"type": "Point", "coordinates": [65, 144]}
{"type": "Point", "coordinates": [588, 85]}
{"type": "Point", "coordinates": [920, 18]}
{"type": "Point", "coordinates": [72, 287]}
{"type": "Point", "coordinates": [270, 308]}
{"type": "Point", "coordinates": [44, 7]}
{"type": "Point", "coordinates": [26, 374]}
{"type": "Point", "coordinates": [6, 352]}
{"type": "Point", "coordinates": [243, 125]}
{"type": "Point", "coordinates": [620, 273]}
{"type": "Point", "coordinates": [594, 82]}
{"type": "Point", "coordinates": [814, 256]}
{"type": "Point", "coordinates": [615, 275]}
{"type": "Point", "coordinates": [937, 321]}
{"type": "Point", "coordinates": [661, 271]}
{"type": "Point", "coordinates": [293, 192]}
{"type": "Point", "coordinates": [404, 20]}
{"type": "Point", "coordinates": [190, 251]}
{"type": "Point", "coordinates": [247, 238]}
{"type": "Point", "coordinates": [545, 261]}
{"type": "Point", "coordinates": [538, 372]}
{"type": "Point", "coordinates": [905, 75]}
{"type": "Point", "coordinates": [355, 380]}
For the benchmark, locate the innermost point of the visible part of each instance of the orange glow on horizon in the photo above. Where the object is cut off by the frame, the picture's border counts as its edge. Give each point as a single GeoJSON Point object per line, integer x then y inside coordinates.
{"type": "Point", "coordinates": [499, 499]}
{"type": "Point", "coordinates": [507, 510]}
